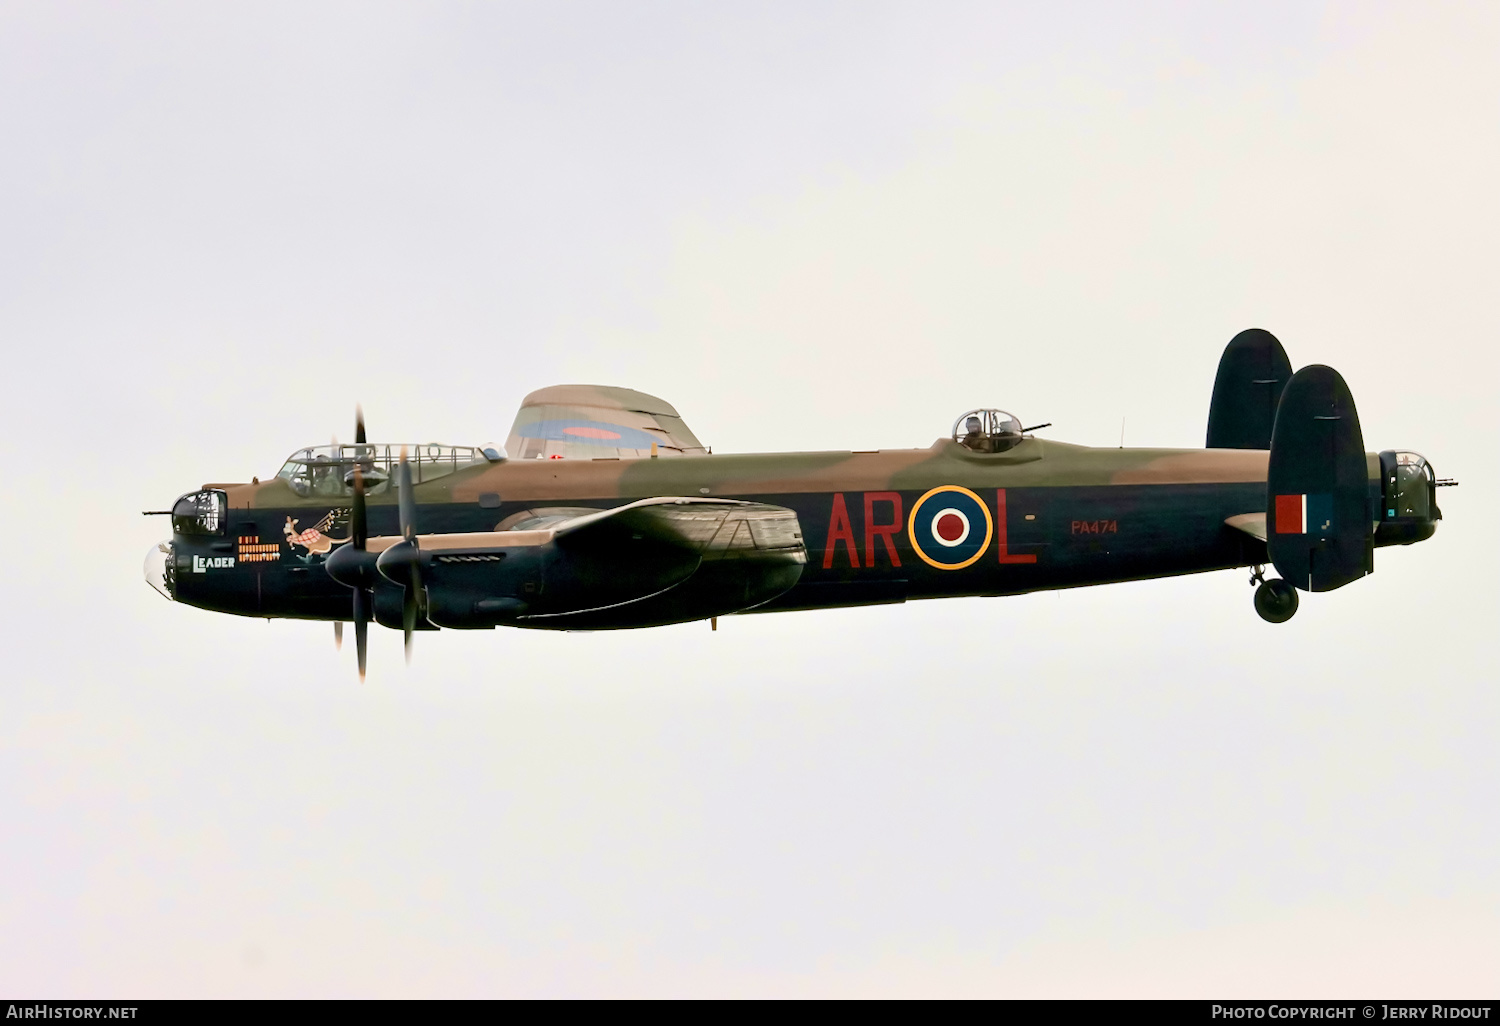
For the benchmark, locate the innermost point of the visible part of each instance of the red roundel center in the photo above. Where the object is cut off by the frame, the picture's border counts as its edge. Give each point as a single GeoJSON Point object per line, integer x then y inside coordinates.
{"type": "Point", "coordinates": [590, 432]}
{"type": "Point", "coordinates": [950, 527]}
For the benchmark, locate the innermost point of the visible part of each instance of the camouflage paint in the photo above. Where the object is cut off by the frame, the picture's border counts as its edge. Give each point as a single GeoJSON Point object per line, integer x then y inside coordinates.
{"type": "Point", "coordinates": [1055, 515]}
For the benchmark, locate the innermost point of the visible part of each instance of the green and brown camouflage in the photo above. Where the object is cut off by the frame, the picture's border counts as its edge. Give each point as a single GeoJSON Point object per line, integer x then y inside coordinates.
{"type": "Point", "coordinates": [609, 512]}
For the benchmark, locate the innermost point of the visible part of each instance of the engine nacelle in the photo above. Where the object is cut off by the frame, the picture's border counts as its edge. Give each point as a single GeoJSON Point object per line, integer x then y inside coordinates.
{"type": "Point", "coordinates": [386, 608]}
{"type": "Point", "coordinates": [476, 590]}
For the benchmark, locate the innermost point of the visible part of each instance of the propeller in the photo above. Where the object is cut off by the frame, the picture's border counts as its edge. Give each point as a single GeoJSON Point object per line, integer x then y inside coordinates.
{"type": "Point", "coordinates": [401, 563]}
{"type": "Point", "coordinates": [351, 565]}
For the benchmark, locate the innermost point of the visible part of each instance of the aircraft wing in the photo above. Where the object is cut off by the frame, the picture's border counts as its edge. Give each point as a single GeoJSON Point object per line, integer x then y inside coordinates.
{"type": "Point", "coordinates": [656, 561]}
{"type": "Point", "coordinates": [713, 528]}
{"type": "Point", "coordinates": [597, 421]}
{"type": "Point", "coordinates": [706, 557]}
{"type": "Point", "coordinates": [1253, 524]}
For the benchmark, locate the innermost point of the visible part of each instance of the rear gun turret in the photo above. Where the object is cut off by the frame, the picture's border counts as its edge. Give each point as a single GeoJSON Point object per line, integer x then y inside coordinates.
{"type": "Point", "coordinates": [1408, 499]}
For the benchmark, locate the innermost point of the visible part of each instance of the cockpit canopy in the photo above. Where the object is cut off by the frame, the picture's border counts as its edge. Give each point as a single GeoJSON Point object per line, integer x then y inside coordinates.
{"type": "Point", "coordinates": [328, 470]}
{"type": "Point", "coordinates": [987, 431]}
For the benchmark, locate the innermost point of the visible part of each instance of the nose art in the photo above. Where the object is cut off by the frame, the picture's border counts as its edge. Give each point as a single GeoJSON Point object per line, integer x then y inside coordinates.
{"type": "Point", "coordinates": [157, 562]}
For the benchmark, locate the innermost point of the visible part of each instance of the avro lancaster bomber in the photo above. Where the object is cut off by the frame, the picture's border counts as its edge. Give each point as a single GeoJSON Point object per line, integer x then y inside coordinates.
{"type": "Point", "coordinates": [604, 511]}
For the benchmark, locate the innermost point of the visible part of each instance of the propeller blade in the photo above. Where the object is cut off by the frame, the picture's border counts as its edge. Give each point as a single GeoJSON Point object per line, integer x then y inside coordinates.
{"type": "Point", "coordinates": [338, 635]}
{"type": "Point", "coordinates": [358, 526]}
{"type": "Point", "coordinates": [407, 503]}
{"type": "Point", "coordinates": [407, 507]}
{"type": "Point", "coordinates": [361, 628]}
{"type": "Point", "coordinates": [409, 611]}
{"type": "Point", "coordinates": [360, 568]}
{"type": "Point", "coordinates": [401, 565]}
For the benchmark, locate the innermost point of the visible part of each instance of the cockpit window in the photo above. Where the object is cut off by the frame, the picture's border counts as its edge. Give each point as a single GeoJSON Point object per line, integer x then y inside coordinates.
{"type": "Point", "coordinates": [987, 431]}
{"type": "Point", "coordinates": [200, 513]}
{"type": "Point", "coordinates": [328, 470]}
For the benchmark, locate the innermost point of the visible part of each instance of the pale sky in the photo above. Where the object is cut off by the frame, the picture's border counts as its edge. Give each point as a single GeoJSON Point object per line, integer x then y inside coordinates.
{"type": "Point", "coordinates": [808, 226]}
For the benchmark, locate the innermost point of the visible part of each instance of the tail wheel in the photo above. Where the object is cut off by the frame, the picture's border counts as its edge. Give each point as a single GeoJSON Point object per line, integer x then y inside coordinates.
{"type": "Point", "coordinates": [1276, 601]}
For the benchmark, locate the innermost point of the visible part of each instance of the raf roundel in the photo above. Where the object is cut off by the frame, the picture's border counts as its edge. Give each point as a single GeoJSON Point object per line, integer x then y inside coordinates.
{"type": "Point", "coordinates": [950, 527]}
{"type": "Point", "coordinates": [588, 432]}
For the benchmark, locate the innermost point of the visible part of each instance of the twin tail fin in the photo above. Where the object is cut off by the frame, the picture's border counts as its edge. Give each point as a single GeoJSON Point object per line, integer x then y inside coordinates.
{"type": "Point", "coordinates": [1253, 372]}
{"type": "Point", "coordinates": [1319, 529]}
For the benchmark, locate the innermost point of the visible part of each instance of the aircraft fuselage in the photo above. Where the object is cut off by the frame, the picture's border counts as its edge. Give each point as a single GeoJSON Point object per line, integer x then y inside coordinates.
{"type": "Point", "coordinates": [881, 526]}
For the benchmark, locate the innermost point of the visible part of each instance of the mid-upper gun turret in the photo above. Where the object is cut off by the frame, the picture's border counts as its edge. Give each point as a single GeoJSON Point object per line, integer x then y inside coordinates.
{"type": "Point", "coordinates": [987, 431]}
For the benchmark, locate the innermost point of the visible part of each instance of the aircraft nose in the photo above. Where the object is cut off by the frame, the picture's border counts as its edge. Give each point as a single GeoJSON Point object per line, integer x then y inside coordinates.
{"type": "Point", "coordinates": [158, 562]}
